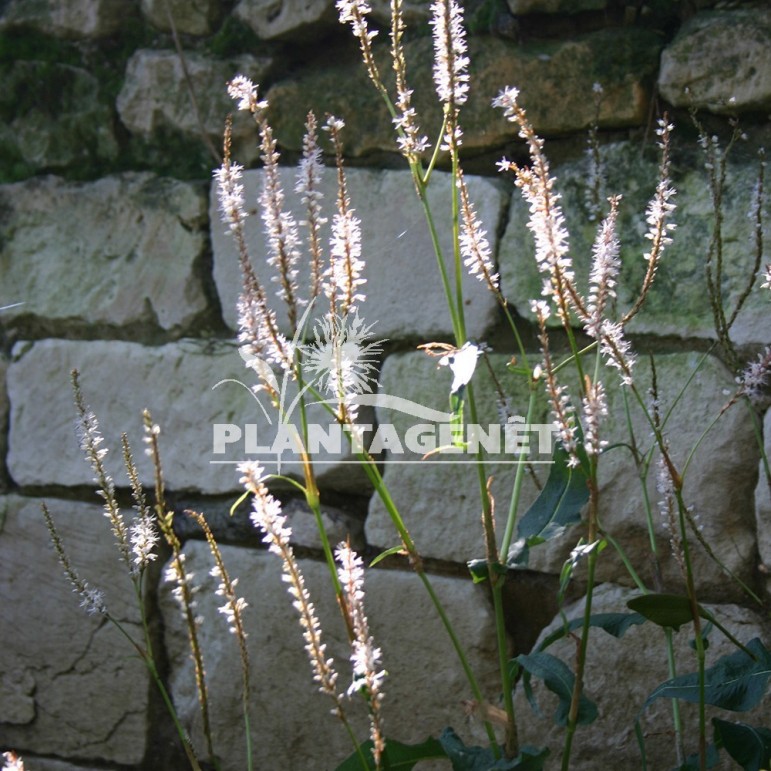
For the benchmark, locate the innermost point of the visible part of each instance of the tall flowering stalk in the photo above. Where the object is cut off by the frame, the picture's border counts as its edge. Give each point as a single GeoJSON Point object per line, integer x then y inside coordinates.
{"type": "Point", "coordinates": [91, 439]}
{"type": "Point", "coordinates": [184, 590]}
{"type": "Point", "coordinates": [658, 216]}
{"type": "Point", "coordinates": [561, 406]}
{"type": "Point", "coordinates": [91, 600]}
{"type": "Point", "coordinates": [309, 175]}
{"type": "Point", "coordinates": [366, 658]}
{"type": "Point", "coordinates": [267, 516]}
{"type": "Point", "coordinates": [136, 545]}
{"type": "Point", "coordinates": [474, 244]}
{"type": "Point", "coordinates": [451, 64]}
{"type": "Point", "coordinates": [547, 222]}
{"type": "Point", "coordinates": [343, 277]}
{"type": "Point", "coordinates": [233, 610]}
{"type": "Point", "coordinates": [258, 327]}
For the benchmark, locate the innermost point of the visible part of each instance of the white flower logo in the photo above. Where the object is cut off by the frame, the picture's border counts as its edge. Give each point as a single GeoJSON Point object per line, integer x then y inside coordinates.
{"type": "Point", "coordinates": [343, 359]}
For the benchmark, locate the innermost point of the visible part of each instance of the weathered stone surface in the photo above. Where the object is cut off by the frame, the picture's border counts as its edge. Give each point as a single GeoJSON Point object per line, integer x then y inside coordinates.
{"type": "Point", "coordinates": [197, 18]}
{"type": "Point", "coordinates": [763, 505]}
{"type": "Point", "coordinates": [423, 691]}
{"type": "Point", "coordinates": [403, 288]}
{"type": "Point", "coordinates": [122, 250]}
{"type": "Point", "coordinates": [155, 96]}
{"type": "Point", "coordinates": [682, 272]}
{"type": "Point", "coordinates": [555, 79]}
{"type": "Point", "coordinates": [718, 484]}
{"type": "Point", "coordinates": [439, 498]}
{"type": "Point", "coordinates": [720, 61]}
{"type": "Point", "coordinates": [68, 18]}
{"type": "Point", "coordinates": [446, 496]}
{"type": "Point", "coordinates": [522, 7]}
{"type": "Point", "coordinates": [287, 19]}
{"type": "Point", "coordinates": [620, 674]}
{"type": "Point", "coordinates": [4, 410]}
{"type": "Point", "coordinates": [57, 653]}
{"type": "Point", "coordinates": [178, 382]}
{"type": "Point", "coordinates": [53, 116]}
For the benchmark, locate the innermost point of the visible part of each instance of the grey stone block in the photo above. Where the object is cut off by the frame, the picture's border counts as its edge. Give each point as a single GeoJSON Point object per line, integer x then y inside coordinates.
{"type": "Point", "coordinates": [122, 250]}
{"type": "Point", "coordinates": [720, 61]}
{"type": "Point", "coordinates": [192, 389]}
{"type": "Point", "coordinates": [57, 653]}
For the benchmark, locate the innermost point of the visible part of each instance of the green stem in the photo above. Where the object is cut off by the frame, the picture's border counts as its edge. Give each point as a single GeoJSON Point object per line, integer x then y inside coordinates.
{"type": "Point", "coordinates": [580, 663]}
{"type": "Point", "coordinates": [456, 644]}
{"type": "Point", "coordinates": [676, 719]}
{"type": "Point", "coordinates": [146, 656]}
{"type": "Point", "coordinates": [516, 492]}
{"type": "Point", "coordinates": [512, 738]}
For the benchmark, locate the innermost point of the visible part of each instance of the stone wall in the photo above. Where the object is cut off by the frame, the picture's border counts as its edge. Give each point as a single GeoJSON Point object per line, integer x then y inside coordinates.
{"type": "Point", "coordinates": [114, 262]}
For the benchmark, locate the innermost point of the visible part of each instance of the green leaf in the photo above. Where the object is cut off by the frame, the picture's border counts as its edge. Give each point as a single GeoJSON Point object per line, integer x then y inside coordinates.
{"type": "Point", "coordinates": [465, 758]}
{"type": "Point", "coordinates": [668, 610]}
{"type": "Point", "coordinates": [387, 553]}
{"type": "Point", "coordinates": [748, 745]}
{"type": "Point", "coordinates": [615, 624]}
{"type": "Point", "coordinates": [737, 681]}
{"type": "Point", "coordinates": [557, 507]}
{"type": "Point", "coordinates": [396, 755]}
{"type": "Point", "coordinates": [480, 570]}
{"type": "Point", "coordinates": [558, 678]}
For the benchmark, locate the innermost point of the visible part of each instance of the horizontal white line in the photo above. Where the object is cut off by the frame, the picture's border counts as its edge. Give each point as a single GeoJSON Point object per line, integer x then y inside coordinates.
{"type": "Point", "coordinates": [488, 461]}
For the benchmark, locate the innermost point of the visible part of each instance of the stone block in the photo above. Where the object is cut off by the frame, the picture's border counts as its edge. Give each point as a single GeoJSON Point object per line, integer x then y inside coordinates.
{"type": "Point", "coordinates": [620, 674]}
{"type": "Point", "coordinates": [197, 18]}
{"type": "Point", "coordinates": [155, 96]}
{"type": "Point", "coordinates": [190, 387]}
{"type": "Point", "coordinates": [720, 61]}
{"type": "Point", "coordinates": [403, 289]}
{"type": "Point", "coordinates": [69, 19]}
{"type": "Point", "coordinates": [58, 119]}
{"type": "Point", "coordinates": [57, 653]}
{"type": "Point", "coordinates": [124, 250]}
{"type": "Point", "coordinates": [556, 79]}
{"type": "Point", "coordinates": [682, 272]}
{"type": "Point", "coordinates": [424, 689]}
{"type": "Point", "coordinates": [288, 19]}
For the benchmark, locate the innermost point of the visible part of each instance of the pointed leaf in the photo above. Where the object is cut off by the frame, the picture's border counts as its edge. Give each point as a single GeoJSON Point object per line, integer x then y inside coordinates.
{"type": "Point", "coordinates": [747, 745]}
{"type": "Point", "coordinates": [482, 759]}
{"type": "Point", "coordinates": [558, 678]}
{"type": "Point", "coordinates": [387, 553]}
{"type": "Point", "coordinates": [736, 681]}
{"type": "Point", "coordinates": [668, 610]}
{"type": "Point", "coordinates": [615, 624]}
{"type": "Point", "coordinates": [396, 755]}
{"type": "Point", "coordinates": [557, 506]}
